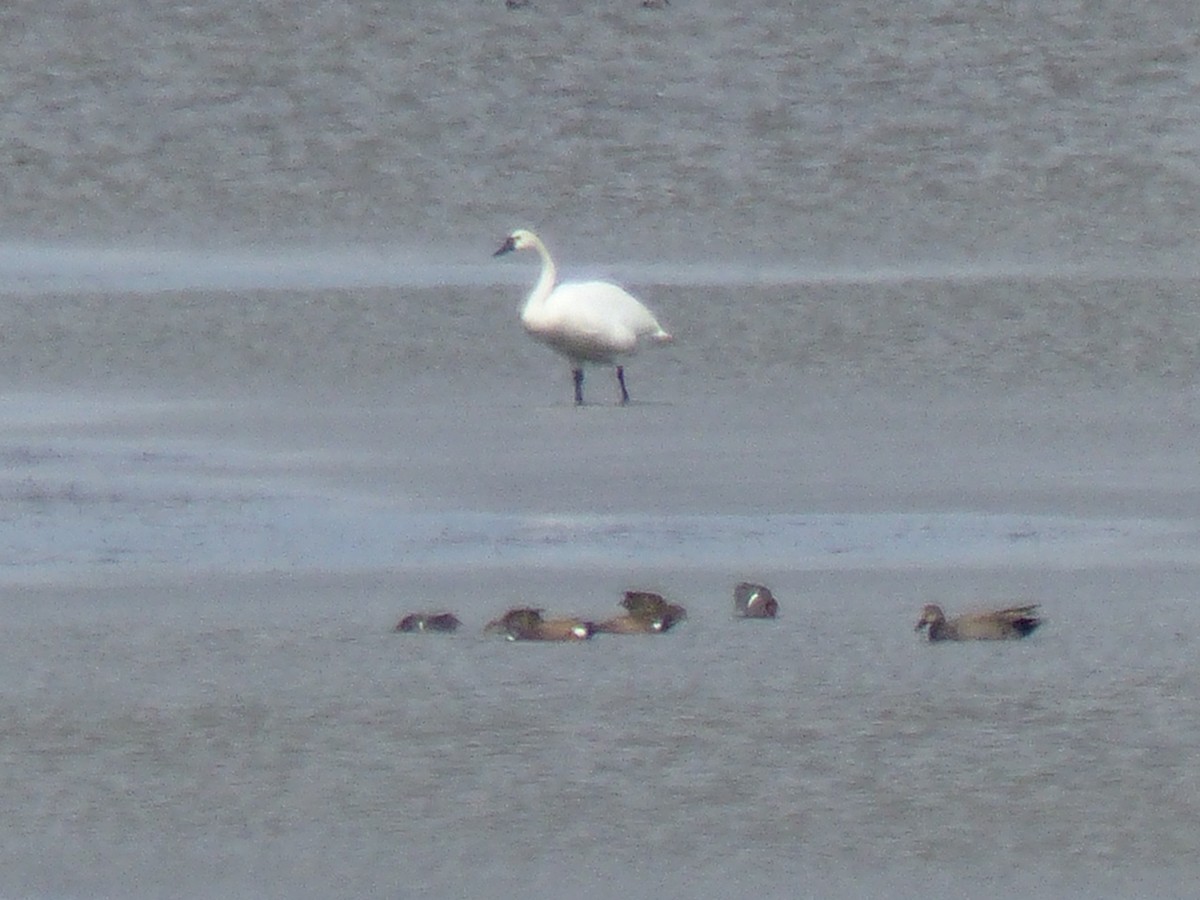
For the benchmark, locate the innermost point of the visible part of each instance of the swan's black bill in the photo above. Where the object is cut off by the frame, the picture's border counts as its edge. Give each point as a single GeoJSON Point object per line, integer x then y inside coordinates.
{"type": "Point", "coordinates": [508, 246]}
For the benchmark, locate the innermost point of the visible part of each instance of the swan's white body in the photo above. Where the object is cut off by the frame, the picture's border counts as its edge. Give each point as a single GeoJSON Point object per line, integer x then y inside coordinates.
{"type": "Point", "coordinates": [586, 321]}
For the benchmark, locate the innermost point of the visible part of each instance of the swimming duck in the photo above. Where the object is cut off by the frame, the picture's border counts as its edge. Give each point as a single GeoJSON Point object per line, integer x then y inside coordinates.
{"type": "Point", "coordinates": [442, 621]}
{"type": "Point", "coordinates": [526, 624]}
{"type": "Point", "coordinates": [651, 607]}
{"type": "Point", "coordinates": [996, 625]}
{"type": "Point", "coordinates": [754, 601]}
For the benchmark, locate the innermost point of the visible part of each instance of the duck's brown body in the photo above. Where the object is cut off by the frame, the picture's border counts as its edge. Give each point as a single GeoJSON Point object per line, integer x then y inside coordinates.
{"type": "Point", "coordinates": [526, 624]}
{"type": "Point", "coordinates": [996, 625]}
{"type": "Point", "coordinates": [631, 624]}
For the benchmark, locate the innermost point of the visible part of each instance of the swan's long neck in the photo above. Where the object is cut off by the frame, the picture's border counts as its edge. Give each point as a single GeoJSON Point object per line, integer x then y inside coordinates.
{"type": "Point", "coordinates": [545, 282]}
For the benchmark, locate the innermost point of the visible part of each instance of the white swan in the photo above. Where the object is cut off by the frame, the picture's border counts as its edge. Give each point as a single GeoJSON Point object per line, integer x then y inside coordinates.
{"type": "Point", "coordinates": [586, 321]}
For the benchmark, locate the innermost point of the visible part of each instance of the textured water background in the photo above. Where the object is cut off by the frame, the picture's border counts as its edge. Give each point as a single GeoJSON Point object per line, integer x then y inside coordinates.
{"type": "Point", "coordinates": [270, 738]}
{"type": "Point", "coordinates": [929, 271]}
{"type": "Point", "coordinates": [829, 131]}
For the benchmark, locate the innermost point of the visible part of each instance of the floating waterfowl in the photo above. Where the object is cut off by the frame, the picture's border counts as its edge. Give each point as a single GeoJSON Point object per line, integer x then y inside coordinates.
{"type": "Point", "coordinates": [585, 321]}
{"type": "Point", "coordinates": [996, 625]}
{"type": "Point", "coordinates": [651, 607]}
{"type": "Point", "coordinates": [754, 601]}
{"type": "Point", "coordinates": [442, 621]}
{"type": "Point", "coordinates": [526, 624]}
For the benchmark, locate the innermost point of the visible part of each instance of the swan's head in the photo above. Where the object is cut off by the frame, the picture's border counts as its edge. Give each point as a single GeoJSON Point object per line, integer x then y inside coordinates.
{"type": "Point", "coordinates": [521, 239]}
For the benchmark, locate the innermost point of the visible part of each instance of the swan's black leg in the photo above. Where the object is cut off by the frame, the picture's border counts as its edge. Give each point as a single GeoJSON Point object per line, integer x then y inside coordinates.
{"type": "Point", "coordinates": [621, 381]}
{"type": "Point", "coordinates": [577, 374]}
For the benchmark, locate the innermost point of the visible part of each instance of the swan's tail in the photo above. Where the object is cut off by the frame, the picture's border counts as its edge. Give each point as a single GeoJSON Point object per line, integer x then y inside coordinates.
{"type": "Point", "coordinates": [661, 337]}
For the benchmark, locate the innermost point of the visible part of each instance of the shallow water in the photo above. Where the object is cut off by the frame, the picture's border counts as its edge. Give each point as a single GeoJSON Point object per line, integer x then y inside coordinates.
{"type": "Point", "coordinates": [709, 131]}
{"type": "Point", "coordinates": [264, 391]}
{"type": "Point", "coordinates": [273, 731]}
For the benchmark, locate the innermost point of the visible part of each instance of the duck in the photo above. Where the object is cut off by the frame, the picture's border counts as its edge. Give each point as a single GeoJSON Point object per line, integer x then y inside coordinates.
{"type": "Point", "coordinates": [647, 613]}
{"type": "Point", "coordinates": [442, 621]}
{"type": "Point", "coordinates": [652, 607]}
{"type": "Point", "coordinates": [754, 601]}
{"type": "Point", "coordinates": [588, 322]}
{"type": "Point", "coordinates": [528, 624]}
{"type": "Point", "coordinates": [1011, 623]}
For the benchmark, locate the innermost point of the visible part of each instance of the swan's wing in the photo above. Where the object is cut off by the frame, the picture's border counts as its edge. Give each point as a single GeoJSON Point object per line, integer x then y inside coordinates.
{"type": "Point", "coordinates": [602, 308]}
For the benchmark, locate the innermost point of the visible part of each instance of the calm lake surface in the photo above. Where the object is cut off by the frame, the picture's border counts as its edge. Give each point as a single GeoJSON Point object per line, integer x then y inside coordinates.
{"type": "Point", "coordinates": [930, 272]}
